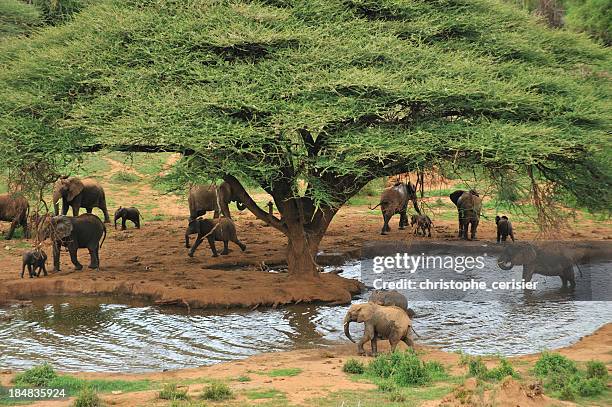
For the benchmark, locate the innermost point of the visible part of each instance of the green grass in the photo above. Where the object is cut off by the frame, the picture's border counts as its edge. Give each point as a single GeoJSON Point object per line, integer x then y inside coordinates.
{"type": "Point", "coordinates": [404, 369]}
{"type": "Point", "coordinates": [87, 398]}
{"type": "Point", "coordinates": [260, 394]}
{"type": "Point", "coordinates": [171, 391]}
{"type": "Point", "coordinates": [217, 392]}
{"type": "Point", "coordinates": [243, 379]}
{"type": "Point", "coordinates": [123, 177]}
{"type": "Point", "coordinates": [38, 376]}
{"type": "Point", "coordinates": [287, 372]}
{"type": "Point", "coordinates": [353, 366]}
{"type": "Point", "coordinates": [478, 369]}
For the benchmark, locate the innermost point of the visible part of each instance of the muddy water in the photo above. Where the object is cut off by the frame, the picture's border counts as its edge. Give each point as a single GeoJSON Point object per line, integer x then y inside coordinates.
{"type": "Point", "coordinates": [107, 334]}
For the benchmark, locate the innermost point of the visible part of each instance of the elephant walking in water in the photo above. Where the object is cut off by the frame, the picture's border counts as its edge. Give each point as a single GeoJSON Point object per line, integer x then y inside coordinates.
{"type": "Point", "coordinates": [78, 193]}
{"type": "Point", "coordinates": [535, 260]}
{"type": "Point", "coordinates": [394, 200]}
{"type": "Point", "coordinates": [469, 205]}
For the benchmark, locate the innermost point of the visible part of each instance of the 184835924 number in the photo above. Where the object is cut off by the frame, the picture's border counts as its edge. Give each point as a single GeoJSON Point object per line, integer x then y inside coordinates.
{"type": "Point", "coordinates": [32, 393]}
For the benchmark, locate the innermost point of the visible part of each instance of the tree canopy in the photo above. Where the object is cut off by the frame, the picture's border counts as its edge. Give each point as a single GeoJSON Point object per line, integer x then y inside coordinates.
{"type": "Point", "coordinates": [333, 93]}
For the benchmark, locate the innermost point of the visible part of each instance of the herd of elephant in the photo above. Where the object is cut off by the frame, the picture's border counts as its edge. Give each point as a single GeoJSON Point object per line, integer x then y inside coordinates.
{"type": "Point", "coordinates": [88, 231]}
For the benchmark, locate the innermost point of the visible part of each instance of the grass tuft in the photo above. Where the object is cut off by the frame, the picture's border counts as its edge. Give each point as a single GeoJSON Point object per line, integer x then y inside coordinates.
{"type": "Point", "coordinates": [170, 391]}
{"type": "Point", "coordinates": [38, 376]}
{"type": "Point", "coordinates": [87, 398]}
{"type": "Point", "coordinates": [353, 366]}
{"type": "Point", "coordinates": [217, 392]}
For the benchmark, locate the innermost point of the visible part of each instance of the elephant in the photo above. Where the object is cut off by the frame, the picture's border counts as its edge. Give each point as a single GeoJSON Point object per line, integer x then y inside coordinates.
{"type": "Point", "coordinates": [535, 260]}
{"type": "Point", "coordinates": [78, 193]}
{"type": "Point", "coordinates": [203, 198]}
{"type": "Point", "coordinates": [126, 214]}
{"type": "Point", "coordinates": [34, 259]}
{"type": "Point", "coordinates": [75, 232]}
{"type": "Point", "coordinates": [422, 222]}
{"type": "Point", "coordinates": [504, 229]}
{"type": "Point", "coordinates": [15, 208]}
{"type": "Point", "coordinates": [469, 206]}
{"type": "Point", "coordinates": [381, 322]}
{"type": "Point", "coordinates": [394, 200]}
{"type": "Point", "coordinates": [391, 298]}
{"type": "Point", "coordinates": [220, 230]}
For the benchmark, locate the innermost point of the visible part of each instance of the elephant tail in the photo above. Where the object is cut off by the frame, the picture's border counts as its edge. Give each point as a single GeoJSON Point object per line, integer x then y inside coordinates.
{"type": "Point", "coordinates": [103, 237]}
{"type": "Point", "coordinates": [369, 206]}
{"type": "Point", "coordinates": [415, 332]}
{"type": "Point", "coordinates": [579, 269]}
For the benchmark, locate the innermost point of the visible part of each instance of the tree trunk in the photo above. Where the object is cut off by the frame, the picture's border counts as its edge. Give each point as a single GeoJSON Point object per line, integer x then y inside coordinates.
{"type": "Point", "coordinates": [301, 252]}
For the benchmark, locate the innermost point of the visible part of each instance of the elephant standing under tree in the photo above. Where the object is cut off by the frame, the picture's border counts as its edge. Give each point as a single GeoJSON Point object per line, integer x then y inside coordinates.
{"type": "Point", "coordinates": [14, 208]}
{"type": "Point", "coordinates": [381, 322]}
{"type": "Point", "coordinates": [504, 229]}
{"type": "Point", "coordinates": [78, 193]}
{"type": "Point", "coordinates": [394, 200]}
{"type": "Point", "coordinates": [75, 232]}
{"type": "Point", "coordinates": [220, 230]}
{"type": "Point", "coordinates": [469, 206]}
{"type": "Point", "coordinates": [535, 260]}
{"type": "Point", "coordinates": [210, 198]}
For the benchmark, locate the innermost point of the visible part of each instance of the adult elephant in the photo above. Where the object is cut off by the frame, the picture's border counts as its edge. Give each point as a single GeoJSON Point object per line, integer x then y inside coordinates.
{"type": "Point", "coordinates": [394, 200]}
{"type": "Point", "coordinates": [536, 260]}
{"type": "Point", "coordinates": [75, 232]}
{"type": "Point", "coordinates": [14, 208]}
{"type": "Point", "coordinates": [212, 198]}
{"type": "Point", "coordinates": [469, 206]}
{"type": "Point", "coordinates": [79, 193]}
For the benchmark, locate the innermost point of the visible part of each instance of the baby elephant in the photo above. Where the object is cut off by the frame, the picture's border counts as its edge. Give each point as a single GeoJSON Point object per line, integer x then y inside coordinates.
{"type": "Point", "coordinates": [504, 228]}
{"type": "Point", "coordinates": [381, 322]}
{"type": "Point", "coordinates": [34, 259]}
{"type": "Point", "coordinates": [219, 229]}
{"type": "Point", "coordinates": [126, 214]}
{"type": "Point", "coordinates": [423, 222]}
{"type": "Point", "coordinates": [391, 298]}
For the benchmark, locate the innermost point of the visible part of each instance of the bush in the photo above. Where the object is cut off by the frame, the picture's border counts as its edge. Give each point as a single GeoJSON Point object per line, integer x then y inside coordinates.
{"type": "Point", "coordinates": [597, 369]}
{"type": "Point", "coordinates": [404, 368]}
{"type": "Point", "coordinates": [217, 392]}
{"type": "Point", "coordinates": [87, 398]}
{"type": "Point", "coordinates": [478, 369]}
{"type": "Point", "coordinates": [589, 387]}
{"type": "Point", "coordinates": [38, 376]}
{"type": "Point", "coordinates": [552, 363]}
{"type": "Point", "coordinates": [171, 392]}
{"type": "Point", "coordinates": [353, 366]}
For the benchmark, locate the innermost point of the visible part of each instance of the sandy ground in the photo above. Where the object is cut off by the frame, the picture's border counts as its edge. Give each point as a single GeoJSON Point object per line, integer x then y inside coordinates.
{"type": "Point", "coordinates": [322, 374]}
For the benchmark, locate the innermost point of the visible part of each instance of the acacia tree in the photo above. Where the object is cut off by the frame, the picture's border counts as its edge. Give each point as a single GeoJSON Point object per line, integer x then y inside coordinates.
{"type": "Point", "coordinates": [328, 94]}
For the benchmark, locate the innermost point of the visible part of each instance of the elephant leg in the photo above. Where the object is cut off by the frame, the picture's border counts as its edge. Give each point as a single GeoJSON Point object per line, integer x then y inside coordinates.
{"type": "Point", "coordinates": [123, 223]}
{"type": "Point", "coordinates": [31, 272]}
{"type": "Point", "coordinates": [240, 244]}
{"type": "Point", "coordinates": [72, 249]}
{"type": "Point", "coordinates": [527, 273]}
{"type": "Point", "coordinates": [474, 229]}
{"type": "Point", "coordinates": [65, 207]}
{"type": "Point", "coordinates": [9, 235]}
{"type": "Point", "coordinates": [89, 210]}
{"type": "Point", "coordinates": [75, 209]}
{"type": "Point", "coordinates": [403, 220]}
{"type": "Point", "coordinates": [23, 267]}
{"type": "Point", "coordinates": [216, 214]}
{"type": "Point", "coordinates": [56, 256]}
{"type": "Point", "coordinates": [213, 248]}
{"type": "Point", "coordinates": [563, 281]}
{"type": "Point", "coordinates": [385, 228]}
{"type": "Point", "coordinates": [429, 232]}
{"type": "Point", "coordinates": [43, 269]}
{"type": "Point", "coordinates": [93, 257]}
{"type": "Point", "coordinates": [198, 241]}
{"type": "Point", "coordinates": [137, 223]}
{"type": "Point", "coordinates": [367, 336]}
{"type": "Point", "coordinates": [571, 276]}
{"type": "Point", "coordinates": [225, 247]}
{"type": "Point", "coordinates": [408, 340]}
{"type": "Point", "coordinates": [105, 211]}
{"type": "Point", "coordinates": [374, 344]}
{"type": "Point", "coordinates": [187, 245]}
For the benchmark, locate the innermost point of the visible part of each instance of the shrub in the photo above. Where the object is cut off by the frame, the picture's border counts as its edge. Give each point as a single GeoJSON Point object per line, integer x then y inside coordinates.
{"type": "Point", "coordinates": [87, 398]}
{"type": "Point", "coordinates": [404, 368]}
{"type": "Point", "coordinates": [387, 386]}
{"type": "Point", "coordinates": [436, 369]}
{"type": "Point", "coordinates": [598, 369]}
{"type": "Point", "coordinates": [551, 363]}
{"type": "Point", "coordinates": [353, 366]}
{"type": "Point", "coordinates": [171, 392]}
{"type": "Point", "coordinates": [217, 392]}
{"type": "Point", "coordinates": [38, 376]}
{"type": "Point", "coordinates": [588, 387]}
{"type": "Point", "coordinates": [478, 369]}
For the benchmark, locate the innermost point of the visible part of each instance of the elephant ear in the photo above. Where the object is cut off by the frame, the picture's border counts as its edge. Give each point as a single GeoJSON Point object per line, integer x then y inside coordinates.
{"type": "Point", "coordinates": [364, 312]}
{"type": "Point", "coordinates": [75, 186]}
{"type": "Point", "coordinates": [62, 227]}
{"type": "Point", "coordinates": [57, 190]}
{"type": "Point", "coordinates": [456, 195]}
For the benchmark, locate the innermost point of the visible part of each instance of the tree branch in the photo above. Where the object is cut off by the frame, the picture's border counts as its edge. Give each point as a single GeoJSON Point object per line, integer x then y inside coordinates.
{"type": "Point", "coordinates": [246, 199]}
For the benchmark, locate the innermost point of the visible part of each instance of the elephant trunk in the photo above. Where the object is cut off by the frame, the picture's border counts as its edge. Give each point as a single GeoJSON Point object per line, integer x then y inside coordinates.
{"type": "Point", "coordinates": [505, 265]}
{"type": "Point", "coordinates": [347, 322]}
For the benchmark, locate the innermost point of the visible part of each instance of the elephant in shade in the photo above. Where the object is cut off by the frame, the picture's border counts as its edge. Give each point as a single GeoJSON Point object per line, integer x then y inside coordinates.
{"type": "Point", "coordinates": [79, 193]}
{"type": "Point", "coordinates": [14, 208]}
{"type": "Point", "coordinates": [394, 200]}
{"type": "Point", "coordinates": [469, 206]}
{"type": "Point", "coordinates": [205, 198]}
